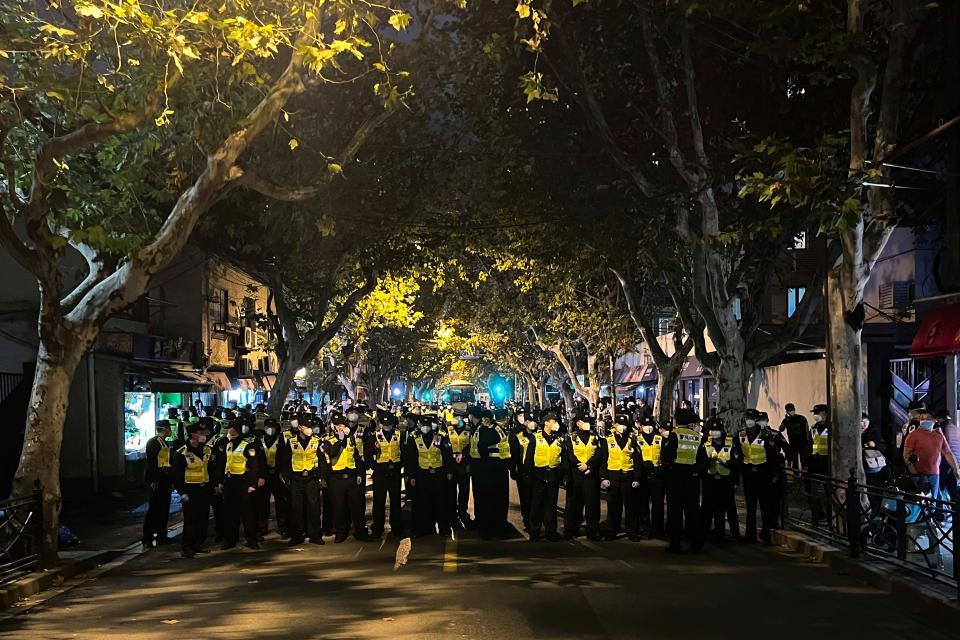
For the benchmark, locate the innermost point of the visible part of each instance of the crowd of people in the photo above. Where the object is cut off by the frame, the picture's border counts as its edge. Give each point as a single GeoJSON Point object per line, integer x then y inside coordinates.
{"type": "Point", "coordinates": [674, 481]}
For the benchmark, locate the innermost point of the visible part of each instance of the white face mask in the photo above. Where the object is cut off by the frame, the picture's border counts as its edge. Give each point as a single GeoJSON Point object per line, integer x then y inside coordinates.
{"type": "Point", "coordinates": [647, 428]}
{"type": "Point", "coordinates": [750, 423]}
{"type": "Point", "coordinates": [791, 413]}
{"type": "Point", "coordinates": [715, 435]}
{"type": "Point", "coordinates": [201, 439]}
{"type": "Point", "coordinates": [818, 417]}
{"type": "Point", "coordinates": [425, 429]}
{"type": "Point", "coordinates": [316, 431]}
{"type": "Point", "coordinates": [764, 423]}
{"type": "Point", "coordinates": [926, 425]}
{"type": "Point", "coordinates": [245, 429]}
{"type": "Point", "coordinates": [621, 428]}
{"type": "Point", "coordinates": [271, 431]}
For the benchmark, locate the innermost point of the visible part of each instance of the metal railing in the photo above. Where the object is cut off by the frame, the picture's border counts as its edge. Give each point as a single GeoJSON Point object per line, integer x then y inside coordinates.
{"type": "Point", "coordinates": [897, 522]}
{"type": "Point", "coordinates": [21, 536]}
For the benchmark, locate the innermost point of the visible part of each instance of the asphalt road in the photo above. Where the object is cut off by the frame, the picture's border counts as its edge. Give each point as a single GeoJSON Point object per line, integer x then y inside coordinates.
{"type": "Point", "coordinates": [469, 588]}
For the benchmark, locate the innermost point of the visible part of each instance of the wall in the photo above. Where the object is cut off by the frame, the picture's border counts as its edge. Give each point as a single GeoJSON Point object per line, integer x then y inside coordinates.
{"type": "Point", "coordinates": [802, 383]}
{"type": "Point", "coordinates": [238, 285]}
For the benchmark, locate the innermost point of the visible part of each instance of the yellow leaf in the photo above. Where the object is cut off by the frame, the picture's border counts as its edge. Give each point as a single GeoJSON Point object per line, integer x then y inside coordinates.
{"type": "Point", "coordinates": [89, 11]}
{"type": "Point", "coordinates": [523, 10]}
{"type": "Point", "coordinates": [293, 144]}
{"type": "Point", "coordinates": [400, 20]}
{"type": "Point", "coordinates": [286, 117]}
{"type": "Point", "coordinates": [4, 54]}
{"type": "Point", "coordinates": [334, 168]}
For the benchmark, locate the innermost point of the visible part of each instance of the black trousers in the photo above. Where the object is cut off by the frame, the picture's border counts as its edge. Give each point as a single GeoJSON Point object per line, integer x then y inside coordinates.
{"type": "Point", "coordinates": [347, 503]}
{"type": "Point", "coordinates": [543, 506]}
{"type": "Point", "coordinates": [720, 506]}
{"type": "Point", "coordinates": [621, 505]}
{"type": "Point", "coordinates": [650, 501]}
{"type": "Point", "coordinates": [683, 506]}
{"type": "Point", "coordinates": [758, 490]}
{"type": "Point", "coordinates": [156, 519]}
{"type": "Point", "coordinates": [457, 493]}
{"type": "Point", "coordinates": [304, 505]}
{"type": "Point", "coordinates": [327, 511]}
{"type": "Point", "coordinates": [429, 506]}
{"type": "Point", "coordinates": [491, 497]}
{"type": "Point", "coordinates": [524, 490]}
{"type": "Point", "coordinates": [216, 504]}
{"type": "Point", "coordinates": [583, 497]}
{"type": "Point", "coordinates": [272, 487]}
{"type": "Point", "coordinates": [239, 505]}
{"type": "Point", "coordinates": [196, 518]}
{"type": "Point", "coordinates": [386, 483]}
{"type": "Point", "coordinates": [819, 500]}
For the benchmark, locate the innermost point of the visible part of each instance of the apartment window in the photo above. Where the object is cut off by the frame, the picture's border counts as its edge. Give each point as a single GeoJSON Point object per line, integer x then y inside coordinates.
{"type": "Point", "coordinates": [794, 296]}
{"type": "Point", "coordinates": [221, 306]}
{"type": "Point", "coordinates": [800, 240]}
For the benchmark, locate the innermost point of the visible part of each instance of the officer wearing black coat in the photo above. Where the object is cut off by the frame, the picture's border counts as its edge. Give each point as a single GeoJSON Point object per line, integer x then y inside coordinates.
{"type": "Point", "coordinates": [652, 494]}
{"type": "Point", "coordinates": [191, 472]}
{"type": "Point", "coordinates": [583, 460]}
{"type": "Point", "coordinates": [490, 469]}
{"type": "Point", "coordinates": [457, 489]}
{"type": "Point", "coordinates": [301, 463]}
{"type": "Point", "coordinates": [238, 476]}
{"type": "Point", "coordinates": [545, 470]}
{"type": "Point", "coordinates": [386, 458]}
{"type": "Point", "coordinates": [621, 473]}
{"type": "Point", "coordinates": [684, 461]}
{"type": "Point", "coordinates": [345, 479]}
{"type": "Point", "coordinates": [428, 463]}
{"type": "Point", "coordinates": [520, 441]}
{"type": "Point", "coordinates": [160, 485]}
{"type": "Point", "coordinates": [719, 504]}
{"type": "Point", "coordinates": [795, 431]}
{"type": "Point", "coordinates": [762, 459]}
{"type": "Point", "coordinates": [272, 442]}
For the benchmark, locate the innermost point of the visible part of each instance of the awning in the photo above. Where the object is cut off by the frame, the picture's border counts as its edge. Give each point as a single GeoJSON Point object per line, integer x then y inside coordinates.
{"type": "Point", "coordinates": [627, 388]}
{"type": "Point", "coordinates": [247, 383]}
{"type": "Point", "coordinates": [167, 378]}
{"type": "Point", "coordinates": [632, 375]}
{"type": "Point", "coordinates": [220, 379]}
{"type": "Point", "coordinates": [691, 368]}
{"type": "Point", "coordinates": [267, 381]}
{"type": "Point", "coordinates": [939, 332]}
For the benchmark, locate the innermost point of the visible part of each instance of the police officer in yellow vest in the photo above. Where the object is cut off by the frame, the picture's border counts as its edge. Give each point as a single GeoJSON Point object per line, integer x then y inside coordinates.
{"type": "Point", "coordinates": [160, 485]}
{"type": "Point", "coordinates": [346, 476]}
{"type": "Point", "coordinates": [238, 476]}
{"type": "Point", "coordinates": [818, 454]}
{"type": "Point", "coordinates": [428, 461]}
{"type": "Point", "coordinates": [584, 460]}
{"type": "Point", "coordinates": [684, 461]}
{"type": "Point", "coordinates": [458, 487]}
{"type": "Point", "coordinates": [490, 472]}
{"type": "Point", "coordinates": [301, 463]}
{"type": "Point", "coordinates": [272, 442]}
{"type": "Point", "coordinates": [520, 440]}
{"type": "Point", "coordinates": [720, 481]}
{"type": "Point", "coordinates": [191, 471]}
{"type": "Point", "coordinates": [546, 471]}
{"type": "Point", "coordinates": [620, 475]}
{"type": "Point", "coordinates": [651, 496]}
{"type": "Point", "coordinates": [761, 459]}
{"type": "Point", "coordinates": [384, 450]}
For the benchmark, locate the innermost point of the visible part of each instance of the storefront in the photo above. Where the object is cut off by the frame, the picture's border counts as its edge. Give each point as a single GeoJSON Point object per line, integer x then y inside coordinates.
{"type": "Point", "coordinates": [939, 336]}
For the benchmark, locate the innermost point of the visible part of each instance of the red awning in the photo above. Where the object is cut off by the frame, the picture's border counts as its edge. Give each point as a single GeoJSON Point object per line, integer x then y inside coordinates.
{"type": "Point", "coordinates": [939, 332]}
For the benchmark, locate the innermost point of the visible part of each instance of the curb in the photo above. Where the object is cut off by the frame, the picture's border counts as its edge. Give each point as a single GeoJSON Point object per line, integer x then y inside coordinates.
{"type": "Point", "coordinates": [922, 599]}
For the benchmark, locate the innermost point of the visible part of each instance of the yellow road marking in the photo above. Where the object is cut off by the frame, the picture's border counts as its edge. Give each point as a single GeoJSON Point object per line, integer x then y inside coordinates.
{"type": "Point", "coordinates": [450, 556]}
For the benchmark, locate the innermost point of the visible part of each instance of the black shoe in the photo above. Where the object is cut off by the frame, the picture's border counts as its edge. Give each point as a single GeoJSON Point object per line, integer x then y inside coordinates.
{"type": "Point", "coordinates": [227, 546]}
{"type": "Point", "coordinates": [294, 542]}
{"type": "Point", "coordinates": [317, 540]}
{"type": "Point", "coordinates": [327, 532]}
{"type": "Point", "coordinates": [147, 544]}
{"type": "Point", "coordinates": [253, 545]}
{"type": "Point", "coordinates": [164, 540]}
{"type": "Point", "coordinates": [593, 536]}
{"type": "Point", "coordinates": [339, 539]}
{"type": "Point", "coordinates": [203, 550]}
{"type": "Point", "coordinates": [635, 538]}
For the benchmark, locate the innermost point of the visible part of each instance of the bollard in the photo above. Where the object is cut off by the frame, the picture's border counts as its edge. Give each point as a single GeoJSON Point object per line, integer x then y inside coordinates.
{"type": "Point", "coordinates": [852, 506]}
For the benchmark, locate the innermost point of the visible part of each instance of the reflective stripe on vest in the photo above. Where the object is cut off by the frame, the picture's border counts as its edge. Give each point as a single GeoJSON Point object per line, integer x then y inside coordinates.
{"type": "Point", "coordinates": [428, 457]}
{"type": "Point", "coordinates": [163, 456]}
{"type": "Point", "coordinates": [197, 468]}
{"type": "Point", "coordinates": [754, 453]}
{"type": "Point", "coordinates": [460, 440]}
{"type": "Point", "coordinates": [503, 445]}
{"type": "Point", "coordinates": [270, 452]}
{"type": "Point", "coordinates": [547, 454]}
{"type": "Point", "coordinates": [718, 457]}
{"type": "Point", "coordinates": [688, 442]}
{"type": "Point", "coordinates": [821, 442]}
{"type": "Point", "coordinates": [651, 452]}
{"type": "Point", "coordinates": [304, 458]}
{"type": "Point", "coordinates": [389, 447]}
{"type": "Point", "coordinates": [524, 441]}
{"type": "Point", "coordinates": [620, 459]}
{"type": "Point", "coordinates": [583, 452]}
{"type": "Point", "coordinates": [236, 461]}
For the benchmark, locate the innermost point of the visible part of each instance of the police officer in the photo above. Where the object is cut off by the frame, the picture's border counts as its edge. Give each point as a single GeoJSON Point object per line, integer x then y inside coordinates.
{"type": "Point", "coordinates": [545, 471]}
{"type": "Point", "coordinates": [818, 451]}
{"type": "Point", "coordinates": [620, 475]}
{"type": "Point", "coordinates": [720, 481]}
{"type": "Point", "coordinates": [272, 442]}
{"type": "Point", "coordinates": [238, 477]}
{"type": "Point", "coordinates": [760, 469]}
{"type": "Point", "coordinates": [457, 490]}
{"type": "Point", "coordinates": [520, 441]}
{"type": "Point", "coordinates": [160, 485]}
{"type": "Point", "coordinates": [428, 462]}
{"type": "Point", "coordinates": [345, 479]}
{"type": "Point", "coordinates": [489, 468]}
{"type": "Point", "coordinates": [651, 496]}
{"type": "Point", "coordinates": [191, 471]}
{"type": "Point", "coordinates": [385, 458]}
{"type": "Point", "coordinates": [684, 461]}
{"type": "Point", "coordinates": [583, 459]}
{"type": "Point", "coordinates": [301, 464]}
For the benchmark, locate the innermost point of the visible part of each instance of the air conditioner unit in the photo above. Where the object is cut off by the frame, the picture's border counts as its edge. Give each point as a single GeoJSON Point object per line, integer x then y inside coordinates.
{"type": "Point", "coordinates": [244, 368]}
{"type": "Point", "coordinates": [896, 295]}
{"type": "Point", "coordinates": [249, 338]}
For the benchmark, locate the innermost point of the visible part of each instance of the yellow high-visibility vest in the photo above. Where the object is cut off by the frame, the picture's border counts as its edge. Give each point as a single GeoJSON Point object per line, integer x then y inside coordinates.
{"type": "Point", "coordinates": [346, 459]}
{"type": "Point", "coordinates": [236, 460]}
{"type": "Point", "coordinates": [428, 457]}
{"type": "Point", "coordinates": [503, 446]}
{"type": "Point", "coordinates": [389, 447]}
{"type": "Point", "coordinates": [754, 453]}
{"type": "Point", "coordinates": [197, 467]}
{"type": "Point", "coordinates": [459, 441]}
{"type": "Point", "coordinates": [584, 451]}
{"type": "Point", "coordinates": [163, 456]}
{"type": "Point", "coordinates": [547, 454]}
{"type": "Point", "coordinates": [651, 452]}
{"type": "Point", "coordinates": [524, 441]}
{"type": "Point", "coordinates": [719, 457]}
{"type": "Point", "coordinates": [688, 443]}
{"type": "Point", "coordinates": [620, 459]}
{"type": "Point", "coordinates": [304, 458]}
{"type": "Point", "coordinates": [821, 441]}
{"type": "Point", "coordinates": [270, 452]}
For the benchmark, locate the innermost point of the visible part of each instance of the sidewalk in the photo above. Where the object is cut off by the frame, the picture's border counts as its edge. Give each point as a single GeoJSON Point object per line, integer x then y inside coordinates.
{"type": "Point", "coordinates": [106, 527]}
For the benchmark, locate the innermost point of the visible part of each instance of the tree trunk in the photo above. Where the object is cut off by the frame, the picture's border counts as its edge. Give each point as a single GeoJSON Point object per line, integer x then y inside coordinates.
{"type": "Point", "coordinates": [667, 380]}
{"type": "Point", "coordinates": [531, 387]}
{"type": "Point", "coordinates": [283, 385]}
{"type": "Point", "coordinates": [541, 393]}
{"type": "Point", "coordinates": [733, 379]}
{"type": "Point", "coordinates": [47, 411]}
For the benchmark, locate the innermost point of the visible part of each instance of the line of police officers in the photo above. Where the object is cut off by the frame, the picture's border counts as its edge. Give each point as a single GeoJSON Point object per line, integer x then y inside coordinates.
{"type": "Point", "coordinates": [315, 474]}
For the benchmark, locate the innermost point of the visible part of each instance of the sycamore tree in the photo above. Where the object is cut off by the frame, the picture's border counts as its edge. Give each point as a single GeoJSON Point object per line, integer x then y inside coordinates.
{"type": "Point", "coordinates": [121, 123]}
